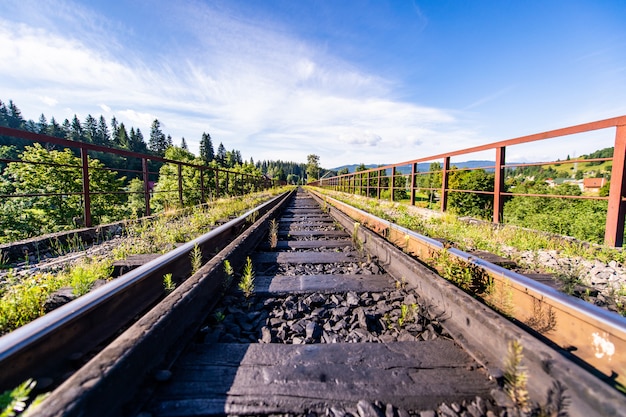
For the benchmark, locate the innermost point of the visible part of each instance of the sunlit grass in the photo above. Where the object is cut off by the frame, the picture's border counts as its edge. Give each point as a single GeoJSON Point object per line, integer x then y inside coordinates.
{"type": "Point", "coordinates": [22, 298]}
{"type": "Point", "coordinates": [470, 236]}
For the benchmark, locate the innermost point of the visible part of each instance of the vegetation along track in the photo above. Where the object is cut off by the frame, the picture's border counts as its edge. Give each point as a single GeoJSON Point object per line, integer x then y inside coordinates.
{"type": "Point", "coordinates": [335, 321]}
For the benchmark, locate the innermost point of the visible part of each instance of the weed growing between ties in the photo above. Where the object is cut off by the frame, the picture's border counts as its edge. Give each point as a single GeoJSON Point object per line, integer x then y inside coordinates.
{"type": "Point", "coordinates": [228, 274]}
{"type": "Point", "coordinates": [16, 401]}
{"type": "Point", "coordinates": [196, 259]}
{"type": "Point", "coordinates": [246, 284]}
{"type": "Point", "coordinates": [273, 233]}
{"type": "Point", "coordinates": [168, 283]}
{"type": "Point", "coordinates": [356, 241]}
{"type": "Point", "coordinates": [515, 386]}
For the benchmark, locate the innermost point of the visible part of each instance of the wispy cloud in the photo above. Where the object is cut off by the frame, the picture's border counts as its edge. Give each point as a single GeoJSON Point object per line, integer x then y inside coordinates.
{"type": "Point", "coordinates": [253, 86]}
{"type": "Point", "coordinates": [490, 97]}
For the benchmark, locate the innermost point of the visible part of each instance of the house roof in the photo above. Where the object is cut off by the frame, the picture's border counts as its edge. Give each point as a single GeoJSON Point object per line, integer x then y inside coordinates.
{"type": "Point", "coordinates": [594, 182]}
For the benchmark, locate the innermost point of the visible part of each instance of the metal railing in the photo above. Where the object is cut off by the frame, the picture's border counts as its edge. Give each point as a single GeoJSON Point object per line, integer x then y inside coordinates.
{"type": "Point", "coordinates": [214, 182]}
{"type": "Point", "coordinates": [375, 182]}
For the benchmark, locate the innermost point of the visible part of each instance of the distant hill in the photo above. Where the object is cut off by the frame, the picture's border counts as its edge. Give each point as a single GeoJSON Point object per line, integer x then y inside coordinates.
{"type": "Point", "coordinates": [422, 167]}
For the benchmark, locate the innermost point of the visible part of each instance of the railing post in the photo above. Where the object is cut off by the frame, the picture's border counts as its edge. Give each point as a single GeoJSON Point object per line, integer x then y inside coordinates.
{"type": "Point", "coordinates": [392, 183]}
{"type": "Point", "coordinates": [378, 185]}
{"type": "Point", "coordinates": [444, 183]}
{"type": "Point", "coordinates": [498, 184]}
{"type": "Point", "coordinates": [614, 232]}
{"type": "Point", "coordinates": [86, 192]}
{"type": "Point", "coordinates": [180, 184]}
{"type": "Point", "coordinates": [146, 184]}
{"type": "Point", "coordinates": [413, 174]}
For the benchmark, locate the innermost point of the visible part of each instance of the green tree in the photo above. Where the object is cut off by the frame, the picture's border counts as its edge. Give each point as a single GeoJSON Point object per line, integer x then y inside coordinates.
{"type": "Point", "coordinates": [220, 157]}
{"type": "Point", "coordinates": [158, 142]}
{"type": "Point", "coordinates": [45, 214]}
{"type": "Point", "coordinates": [166, 190]}
{"type": "Point", "coordinates": [90, 129]}
{"type": "Point", "coordinates": [137, 143]}
{"type": "Point", "coordinates": [103, 137]}
{"type": "Point", "coordinates": [471, 204]}
{"type": "Point", "coordinates": [312, 167]}
{"type": "Point", "coordinates": [207, 154]}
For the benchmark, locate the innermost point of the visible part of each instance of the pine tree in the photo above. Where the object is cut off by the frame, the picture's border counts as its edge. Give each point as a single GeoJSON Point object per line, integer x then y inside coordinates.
{"type": "Point", "coordinates": [157, 142]}
{"type": "Point", "coordinates": [16, 120]}
{"type": "Point", "coordinates": [114, 129]}
{"type": "Point", "coordinates": [169, 142]}
{"type": "Point", "coordinates": [121, 139]}
{"type": "Point", "coordinates": [90, 129]}
{"type": "Point", "coordinates": [138, 144]}
{"type": "Point", "coordinates": [221, 155]}
{"type": "Point", "coordinates": [67, 129]}
{"type": "Point", "coordinates": [55, 129]}
{"type": "Point", "coordinates": [102, 136]}
{"type": "Point", "coordinates": [42, 125]}
{"type": "Point", "coordinates": [76, 131]}
{"type": "Point", "coordinates": [207, 154]}
{"type": "Point", "coordinates": [183, 144]}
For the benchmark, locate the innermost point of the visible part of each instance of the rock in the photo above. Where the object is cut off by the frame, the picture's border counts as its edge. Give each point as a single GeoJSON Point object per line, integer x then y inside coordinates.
{"type": "Point", "coordinates": [58, 298]}
{"type": "Point", "coordinates": [428, 413]}
{"type": "Point", "coordinates": [352, 299]}
{"type": "Point", "coordinates": [313, 330]}
{"type": "Point", "coordinates": [367, 409]}
{"type": "Point", "coordinates": [266, 335]}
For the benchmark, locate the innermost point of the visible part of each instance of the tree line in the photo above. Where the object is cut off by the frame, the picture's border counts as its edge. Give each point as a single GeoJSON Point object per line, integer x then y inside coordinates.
{"type": "Point", "coordinates": [52, 183]}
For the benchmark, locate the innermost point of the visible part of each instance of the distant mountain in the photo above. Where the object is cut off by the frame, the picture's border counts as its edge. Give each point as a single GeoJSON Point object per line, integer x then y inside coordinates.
{"type": "Point", "coordinates": [422, 167]}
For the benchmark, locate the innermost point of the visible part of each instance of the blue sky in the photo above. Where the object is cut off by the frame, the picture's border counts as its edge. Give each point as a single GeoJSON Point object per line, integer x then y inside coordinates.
{"type": "Point", "coordinates": [351, 81]}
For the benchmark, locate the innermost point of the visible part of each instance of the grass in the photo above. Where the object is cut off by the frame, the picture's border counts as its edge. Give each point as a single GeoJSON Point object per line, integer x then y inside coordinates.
{"type": "Point", "coordinates": [478, 236]}
{"type": "Point", "coordinates": [22, 298]}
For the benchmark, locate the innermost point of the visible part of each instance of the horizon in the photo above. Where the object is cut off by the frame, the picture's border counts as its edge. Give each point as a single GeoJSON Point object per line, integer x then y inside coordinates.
{"type": "Point", "coordinates": [352, 82]}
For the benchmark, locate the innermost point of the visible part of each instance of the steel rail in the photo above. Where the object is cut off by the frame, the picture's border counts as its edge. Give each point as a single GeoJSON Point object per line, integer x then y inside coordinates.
{"type": "Point", "coordinates": [43, 348]}
{"type": "Point", "coordinates": [592, 334]}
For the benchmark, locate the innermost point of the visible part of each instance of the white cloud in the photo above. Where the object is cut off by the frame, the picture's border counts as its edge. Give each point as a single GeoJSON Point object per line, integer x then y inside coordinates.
{"type": "Point", "coordinates": [49, 101]}
{"type": "Point", "coordinates": [254, 89]}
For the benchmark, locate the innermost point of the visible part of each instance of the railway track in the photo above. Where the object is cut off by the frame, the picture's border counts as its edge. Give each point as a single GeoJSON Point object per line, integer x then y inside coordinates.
{"type": "Point", "coordinates": [339, 322]}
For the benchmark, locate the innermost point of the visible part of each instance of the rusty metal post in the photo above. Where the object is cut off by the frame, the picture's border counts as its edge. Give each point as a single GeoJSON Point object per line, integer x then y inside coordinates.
{"type": "Point", "coordinates": [361, 183]}
{"type": "Point", "coordinates": [146, 184]}
{"type": "Point", "coordinates": [180, 184]}
{"type": "Point", "coordinates": [378, 185]}
{"type": "Point", "coordinates": [444, 183]}
{"type": "Point", "coordinates": [227, 185]}
{"type": "Point", "coordinates": [498, 184]}
{"type": "Point", "coordinates": [614, 232]}
{"type": "Point", "coordinates": [392, 183]}
{"type": "Point", "coordinates": [413, 174]}
{"type": "Point", "coordinates": [217, 182]}
{"type": "Point", "coordinates": [86, 192]}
